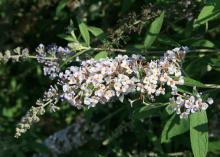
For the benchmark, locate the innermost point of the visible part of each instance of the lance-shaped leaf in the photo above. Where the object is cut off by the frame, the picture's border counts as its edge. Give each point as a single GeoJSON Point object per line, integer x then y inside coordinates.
{"type": "Point", "coordinates": [102, 54]}
{"type": "Point", "coordinates": [153, 31]}
{"type": "Point", "coordinates": [208, 12]}
{"type": "Point", "coordinates": [199, 133]}
{"type": "Point", "coordinates": [84, 32]}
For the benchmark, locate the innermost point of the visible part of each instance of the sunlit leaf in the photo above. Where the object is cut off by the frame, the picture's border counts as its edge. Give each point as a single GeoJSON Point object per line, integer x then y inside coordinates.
{"type": "Point", "coordinates": [84, 32]}
{"type": "Point", "coordinates": [154, 30]}
{"type": "Point", "coordinates": [207, 13]}
{"type": "Point", "coordinates": [102, 54]}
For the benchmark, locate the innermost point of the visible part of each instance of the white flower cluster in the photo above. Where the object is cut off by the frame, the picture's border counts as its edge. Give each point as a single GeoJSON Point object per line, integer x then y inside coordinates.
{"type": "Point", "coordinates": [186, 104]}
{"type": "Point", "coordinates": [100, 81]}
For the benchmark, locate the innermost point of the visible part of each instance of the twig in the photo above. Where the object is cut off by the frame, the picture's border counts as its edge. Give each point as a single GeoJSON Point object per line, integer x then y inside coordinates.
{"type": "Point", "coordinates": [213, 86]}
{"type": "Point", "coordinates": [176, 154]}
{"type": "Point", "coordinates": [109, 49]}
{"type": "Point", "coordinates": [32, 57]}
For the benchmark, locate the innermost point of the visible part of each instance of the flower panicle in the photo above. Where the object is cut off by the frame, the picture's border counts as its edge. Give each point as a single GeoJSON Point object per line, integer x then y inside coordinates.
{"type": "Point", "coordinates": [108, 79]}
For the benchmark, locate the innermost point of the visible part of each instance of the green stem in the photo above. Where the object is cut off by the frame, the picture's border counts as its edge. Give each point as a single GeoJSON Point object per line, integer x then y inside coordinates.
{"type": "Point", "coordinates": [213, 86]}
{"type": "Point", "coordinates": [32, 57]}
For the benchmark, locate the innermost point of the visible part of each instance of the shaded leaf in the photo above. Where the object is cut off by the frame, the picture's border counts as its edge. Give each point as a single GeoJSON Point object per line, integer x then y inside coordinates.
{"type": "Point", "coordinates": [164, 138]}
{"type": "Point", "coordinates": [174, 127]}
{"type": "Point", "coordinates": [179, 126]}
{"type": "Point", "coordinates": [191, 82]}
{"type": "Point", "coordinates": [197, 67]}
{"type": "Point", "coordinates": [214, 146]}
{"type": "Point", "coordinates": [147, 110]}
{"type": "Point", "coordinates": [167, 41]}
{"type": "Point", "coordinates": [62, 4]}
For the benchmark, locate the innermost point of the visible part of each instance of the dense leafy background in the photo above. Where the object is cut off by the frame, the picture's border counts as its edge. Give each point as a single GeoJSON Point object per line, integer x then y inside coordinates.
{"type": "Point", "coordinates": [135, 25]}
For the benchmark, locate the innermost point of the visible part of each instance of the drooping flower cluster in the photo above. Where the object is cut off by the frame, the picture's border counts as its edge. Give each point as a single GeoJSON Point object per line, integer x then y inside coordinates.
{"type": "Point", "coordinates": [74, 136]}
{"type": "Point", "coordinates": [100, 81]}
{"type": "Point", "coordinates": [32, 116]}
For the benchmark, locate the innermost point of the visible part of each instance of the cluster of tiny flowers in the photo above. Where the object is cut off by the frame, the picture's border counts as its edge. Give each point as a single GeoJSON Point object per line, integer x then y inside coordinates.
{"type": "Point", "coordinates": [185, 104]}
{"type": "Point", "coordinates": [50, 98]}
{"type": "Point", "coordinates": [100, 81]}
{"type": "Point", "coordinates": [51, 57]}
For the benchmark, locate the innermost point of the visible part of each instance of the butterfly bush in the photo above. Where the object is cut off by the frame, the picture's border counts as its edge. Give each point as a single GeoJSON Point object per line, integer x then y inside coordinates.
{"type": "Point", "coordinates": [109, 79]}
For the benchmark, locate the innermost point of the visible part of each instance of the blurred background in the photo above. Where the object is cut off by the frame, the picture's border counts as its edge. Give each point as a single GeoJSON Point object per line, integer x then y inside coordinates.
{"type": "Point", "coordinates": [27, 23]}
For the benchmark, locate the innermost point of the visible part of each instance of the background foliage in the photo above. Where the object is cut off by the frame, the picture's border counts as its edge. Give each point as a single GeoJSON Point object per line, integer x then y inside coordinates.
{"type": "Point", "coordinates": [143, 26]}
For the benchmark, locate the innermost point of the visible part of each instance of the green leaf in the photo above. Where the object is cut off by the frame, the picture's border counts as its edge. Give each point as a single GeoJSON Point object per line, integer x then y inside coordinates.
{"type": "Point", "coordinates": [153, 31]}
{"type": "Point", "coordinates": [197, 42]}
{"type": "Point", "coordinates": [203, 43]}
{"type": "Point", "coordinates": [62, 4]}
{"type": "Point", "coordinates": [95, 30]}
{"type": "Point", "coordinates": [164, 138]}
{"type": "Point", "coordinates": [214, 146]}
{"type": "Point", "coordinates": [102, 54]}
{"type": "Point", "coordinates": [147, 110]}
{"type": "Point", "coordinates": [215, 62]}
{"type": "Point", "coordinates": [70, 38]}
{"type": "Point", "coordinates": [179, 126]}
{"type": "Point", "coordinates": [169, 109]}
{"type": "Point", "coordinates": [174, 127]}
{"type": "Point", "coordinates": [201, 67]}
{"type": "Point", "coordinates": [199, 133]}
{"type": "Point", "coordinates": [73, 36]}
{"type": "Point", "coordinates": [167, 41]}
{"type": "Point", "coordinates": [191, 82]}
{"type": "Point", "coordinates": [84, 32]}
{"type": "Point", "coordinates": [207, 13]}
